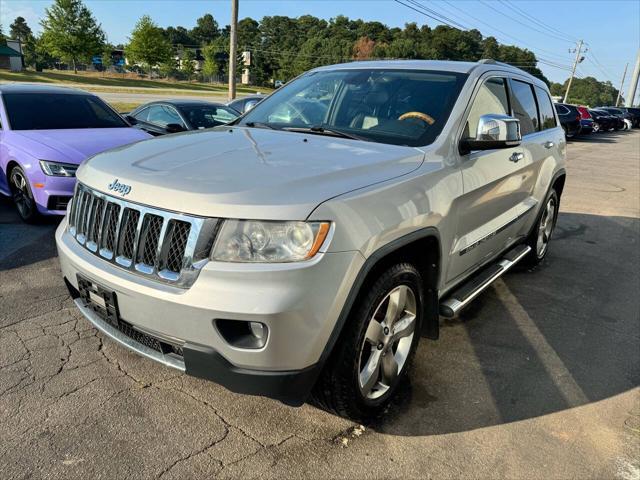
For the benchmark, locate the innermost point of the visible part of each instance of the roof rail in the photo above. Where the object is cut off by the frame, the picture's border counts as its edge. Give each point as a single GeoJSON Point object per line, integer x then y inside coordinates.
{"type": "Point", "coordinates": [491, 61]}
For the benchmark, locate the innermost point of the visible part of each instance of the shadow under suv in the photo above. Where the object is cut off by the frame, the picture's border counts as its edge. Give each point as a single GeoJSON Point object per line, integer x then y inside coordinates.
{"type": "Point", "coordinates": [306, 249]}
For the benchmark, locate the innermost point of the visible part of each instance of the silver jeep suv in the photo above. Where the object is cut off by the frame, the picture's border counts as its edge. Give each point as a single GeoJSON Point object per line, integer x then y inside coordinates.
{"type": "Point", "coordinates": [305, 249]}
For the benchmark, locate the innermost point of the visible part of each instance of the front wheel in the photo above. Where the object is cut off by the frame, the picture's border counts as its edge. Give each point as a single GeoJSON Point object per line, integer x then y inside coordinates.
{"type": "Point", "coordinates": [376, 347]}
{"type": "Point", "coordinates": [22, 196]}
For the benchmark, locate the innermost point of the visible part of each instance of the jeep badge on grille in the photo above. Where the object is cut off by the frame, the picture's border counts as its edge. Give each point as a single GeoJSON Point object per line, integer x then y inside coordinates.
{"type": "Point", "coordinates": [120, 188]}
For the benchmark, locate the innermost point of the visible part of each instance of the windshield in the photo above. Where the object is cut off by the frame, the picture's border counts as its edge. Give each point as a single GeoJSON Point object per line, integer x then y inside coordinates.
{"type": "Point", "coordinates": [56, 111]}
{"type": "Point", "coordinates": [200, 116]}
{"type": "Point", "coordinates": [401, 107]}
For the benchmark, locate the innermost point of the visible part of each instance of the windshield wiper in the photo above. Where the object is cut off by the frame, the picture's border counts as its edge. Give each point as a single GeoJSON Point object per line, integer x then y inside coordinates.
{"type": "Point", "coordinates": [320, 130]}
{"type": "Point", "coordinates": [260, 125]}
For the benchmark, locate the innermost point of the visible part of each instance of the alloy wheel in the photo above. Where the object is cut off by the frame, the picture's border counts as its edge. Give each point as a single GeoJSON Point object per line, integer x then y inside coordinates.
{"type": "Point", "coordinates": [545, 229]}
{"type": "Point", "coordinates": [21, 194]}
{"type": "Point", "coordinates": [387, 342]}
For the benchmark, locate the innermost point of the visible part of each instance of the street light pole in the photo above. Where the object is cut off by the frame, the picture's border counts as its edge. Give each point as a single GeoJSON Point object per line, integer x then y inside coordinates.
{"type": "Point", "coordinates": [624, 74]}
{"type": "Point", "coordinates": [634, 83]}
{"type": "Point", "coordinates": [233, 47]}
{"type": "Point", "coordinates": [573, 71]}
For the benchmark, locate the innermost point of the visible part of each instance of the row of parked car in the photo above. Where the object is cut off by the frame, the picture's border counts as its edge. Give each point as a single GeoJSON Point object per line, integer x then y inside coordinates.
{"type": "Point", "coordinates": [579, 120]}
{"type": "Point", "coordinates": [48, 131]}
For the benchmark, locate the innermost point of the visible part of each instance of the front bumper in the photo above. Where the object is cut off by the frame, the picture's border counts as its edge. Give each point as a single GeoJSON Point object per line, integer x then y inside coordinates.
{"type": "Point", "coordinates": [60, 188]}
{"type": "Point", "coordinates": [299, 303]}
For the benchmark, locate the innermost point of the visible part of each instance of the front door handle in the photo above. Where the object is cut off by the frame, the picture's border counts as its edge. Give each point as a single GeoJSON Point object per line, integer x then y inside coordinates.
{"type": "Point", "coordinates": [516, 157]}
{"type": "Point", "coordinates": [548, 145]}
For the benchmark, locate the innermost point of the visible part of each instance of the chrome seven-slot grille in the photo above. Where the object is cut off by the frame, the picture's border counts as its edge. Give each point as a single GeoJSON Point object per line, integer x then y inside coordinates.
{"type": "Point", "coordinates": [162, 245]}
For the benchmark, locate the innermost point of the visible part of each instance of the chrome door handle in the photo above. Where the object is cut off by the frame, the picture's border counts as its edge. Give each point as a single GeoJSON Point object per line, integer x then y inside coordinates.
{"type": "Point", "coordinates": [516, 157]}
{"type": "Point", "coordinates": [548, 145]}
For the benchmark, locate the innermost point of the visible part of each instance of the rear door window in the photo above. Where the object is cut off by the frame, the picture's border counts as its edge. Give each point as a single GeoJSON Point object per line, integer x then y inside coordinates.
{"type": "Point", "coordinates": [547, 117]}
{"type": "Point", "coordinates": [524, 106]}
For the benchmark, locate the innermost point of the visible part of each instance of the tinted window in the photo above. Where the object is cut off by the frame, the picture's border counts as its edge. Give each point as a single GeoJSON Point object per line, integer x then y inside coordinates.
{"type": "Point", "coordinates": [205, 116]}
{"type": "Point", "coordinates": [561, 109]}
{"type": "Point", "coordinates": [402, 107]}
{"type": "Point", "coordinates": [142, 115]}
{"type": "Point", "coordinates": [547, 117]}
{"type": "Point", "coordinates": [163, 116]}
{"type": "Point", "coordinates": [524, 107]}
{"type": "Point", "coordinates": [491, 98]}
{"type": "Point", "coordinates": [55, 111]}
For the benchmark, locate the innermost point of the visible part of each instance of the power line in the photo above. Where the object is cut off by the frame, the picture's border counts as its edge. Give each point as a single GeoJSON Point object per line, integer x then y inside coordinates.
{"type": "Point", "coordinates": [445, 18]}
{"type": "Point", "coordinates": [517, 40]}
{"type": "Point", "coordinates": [553, 31]}
{"type": "Point", "coordinates": [426, 14]}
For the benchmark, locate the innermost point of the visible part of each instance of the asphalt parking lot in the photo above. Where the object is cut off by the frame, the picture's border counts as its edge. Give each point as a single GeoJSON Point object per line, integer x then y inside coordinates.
{"type": "Point", "coordinates": [538, 379]}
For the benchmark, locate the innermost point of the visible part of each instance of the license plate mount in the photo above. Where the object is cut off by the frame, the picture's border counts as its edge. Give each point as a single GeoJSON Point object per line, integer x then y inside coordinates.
{"type": "Point", "coordinates": [99, 299]}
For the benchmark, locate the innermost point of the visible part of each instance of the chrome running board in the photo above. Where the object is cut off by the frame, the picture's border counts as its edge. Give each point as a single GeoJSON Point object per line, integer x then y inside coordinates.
{"type": "Point", "coordinates": [463, 295]}
{"type": "Point", "coordinates": [122, 339]}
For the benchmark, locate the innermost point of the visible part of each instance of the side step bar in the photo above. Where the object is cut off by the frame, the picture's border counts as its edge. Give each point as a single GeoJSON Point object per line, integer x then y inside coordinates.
{"type": "Point", "coordinates": [461, 297]}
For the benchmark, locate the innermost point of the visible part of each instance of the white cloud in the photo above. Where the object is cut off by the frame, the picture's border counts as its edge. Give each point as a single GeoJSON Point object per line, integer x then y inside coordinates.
{"type": "Point", "coordinates": [31, 11]}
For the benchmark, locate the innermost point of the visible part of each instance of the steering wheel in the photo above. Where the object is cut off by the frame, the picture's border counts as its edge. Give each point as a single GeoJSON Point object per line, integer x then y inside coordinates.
{"type": "Point", "coordinates": [428, 119]}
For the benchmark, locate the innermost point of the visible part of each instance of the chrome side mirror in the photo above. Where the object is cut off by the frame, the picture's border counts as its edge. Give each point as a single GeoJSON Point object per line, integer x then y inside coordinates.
{"type": "Point", "coordinates": [494, 131]}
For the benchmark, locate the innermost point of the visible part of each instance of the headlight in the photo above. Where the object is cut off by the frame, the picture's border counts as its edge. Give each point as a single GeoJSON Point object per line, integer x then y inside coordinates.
{"type": "Point", "coordinates": [266, 241]}
{"type": "Point", "coordinates": [58, 169]}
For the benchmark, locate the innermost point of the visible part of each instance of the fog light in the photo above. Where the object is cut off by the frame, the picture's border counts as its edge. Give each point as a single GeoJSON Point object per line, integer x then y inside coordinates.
{"type": "Point", "coordinates": [243, 334]}
{"type": "Point", "coordinates": [259, 330]}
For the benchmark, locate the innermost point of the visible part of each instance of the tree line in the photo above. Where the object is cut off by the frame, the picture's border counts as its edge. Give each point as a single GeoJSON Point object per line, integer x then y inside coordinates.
{"type": "Point", "coordinates": [281, 47]}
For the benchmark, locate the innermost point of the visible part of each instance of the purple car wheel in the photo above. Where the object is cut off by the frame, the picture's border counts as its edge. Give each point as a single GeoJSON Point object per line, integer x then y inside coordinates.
{"type": "Point", "coordinates": [22, 196]}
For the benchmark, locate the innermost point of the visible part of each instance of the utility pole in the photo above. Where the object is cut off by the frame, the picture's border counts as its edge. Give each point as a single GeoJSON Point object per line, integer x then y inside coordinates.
{"type": "Point", "coordinates": [233, 47]}
{"type": "Point", "coordinates": [634, 82]}
{"type": "Point", "coordinates": [573, 71]}
{"type": "Point", "coordinates": [621, 84]}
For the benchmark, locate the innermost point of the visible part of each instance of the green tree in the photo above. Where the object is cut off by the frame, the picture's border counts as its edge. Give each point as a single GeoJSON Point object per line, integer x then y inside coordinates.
{"type": "Point", "coordinates": [205, 31]}
{"type": "Point", "coordinates": [187, 63]}
{"type": "Point", "coordinates": [210, 67]}
{"type": "Point", "coordinates": [70, 32]}
{"type": "Point", "coordinates": [20, 30]}
{"type": "Point", "coordinates": [107, 58]}
{"type": "Point", "coordinates": [168, 67]}
{"type": "Point", "coordinates": [148, 45]}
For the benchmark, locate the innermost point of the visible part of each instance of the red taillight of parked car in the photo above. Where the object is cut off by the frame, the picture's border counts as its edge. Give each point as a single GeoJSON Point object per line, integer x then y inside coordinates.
{"type": "Point", "coordinates": [584, 113]}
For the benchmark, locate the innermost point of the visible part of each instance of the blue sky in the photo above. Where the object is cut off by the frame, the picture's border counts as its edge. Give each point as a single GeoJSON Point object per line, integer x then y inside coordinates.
{"type": "Point", "coordinates": [611, 28]}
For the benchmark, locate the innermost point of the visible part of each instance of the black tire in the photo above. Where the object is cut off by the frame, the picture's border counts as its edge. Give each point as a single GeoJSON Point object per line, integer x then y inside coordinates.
{"type": "Point", "coordinates": [339, 388]}
{"type": "Point", "coordinates": [23, 196]}
{"type": "Point", "coordinates": [537, 255]}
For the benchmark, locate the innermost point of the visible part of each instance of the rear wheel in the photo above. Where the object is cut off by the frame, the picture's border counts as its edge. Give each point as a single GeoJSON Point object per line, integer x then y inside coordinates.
{"type": "Point", "coordinates": [376, 347]}
{"type": "Point", "coordinates": [541, 234]}
{"type": "Point", "coordinates": [22, 195]}
{"type": "Point", "coordinates": [596, 127]}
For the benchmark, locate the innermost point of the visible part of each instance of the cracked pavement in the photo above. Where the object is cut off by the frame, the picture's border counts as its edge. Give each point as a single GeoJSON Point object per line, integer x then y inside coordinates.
{"type": "Point", "coordinates": [538, 379]}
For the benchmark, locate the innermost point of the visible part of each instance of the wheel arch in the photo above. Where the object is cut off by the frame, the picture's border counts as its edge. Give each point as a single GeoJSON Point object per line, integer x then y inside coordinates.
{"type": "Point", "coordinates": [412, 248]}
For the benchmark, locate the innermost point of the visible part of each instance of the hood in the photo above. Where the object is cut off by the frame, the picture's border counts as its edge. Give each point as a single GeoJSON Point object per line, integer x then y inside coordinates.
{"type": "Point", "coordinates": [74, 146]}
{"type": "Point", "coordinates": [246, 173]}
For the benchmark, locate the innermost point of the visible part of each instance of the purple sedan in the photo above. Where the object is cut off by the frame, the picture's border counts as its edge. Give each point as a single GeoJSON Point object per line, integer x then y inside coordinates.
{"type": "Point", "coordinates": [45, 133]}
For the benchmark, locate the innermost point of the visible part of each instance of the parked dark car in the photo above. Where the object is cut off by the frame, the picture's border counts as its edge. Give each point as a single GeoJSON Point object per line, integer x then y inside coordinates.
{"type": "Point", "coordinates": [614, 123]}
{"type": "Point", "coordinates": [602, 121]}
{"type": "Point", "coordinates": [621, 114]}
{"type": "Point", "coordinates": [634, 114]}
{"type": "Point", "coordinates": [569, 119]}
{"type": "Point", "coordinates": [245, 104]}
{"type": "Point", "coordinates": [172, 116]}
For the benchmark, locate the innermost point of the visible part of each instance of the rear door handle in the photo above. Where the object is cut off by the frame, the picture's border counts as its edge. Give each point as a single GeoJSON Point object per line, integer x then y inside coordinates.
{"type": "Point", "coordinates": [516, 157]}
{"type": "Point", "coordinates": [548, 145]}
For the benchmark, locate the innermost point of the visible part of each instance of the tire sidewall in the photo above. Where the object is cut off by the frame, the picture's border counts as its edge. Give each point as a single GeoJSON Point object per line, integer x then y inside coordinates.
{"type": "Point", "coordinates": [34, 208]}
{"type": "Point", "coordinates": [550, 195]}
{"type": "Point", "coordinates": [403, 274]}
